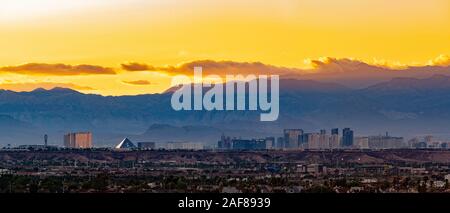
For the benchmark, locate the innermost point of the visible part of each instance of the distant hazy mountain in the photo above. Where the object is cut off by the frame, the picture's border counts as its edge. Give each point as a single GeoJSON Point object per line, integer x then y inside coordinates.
{"type": "Point", "coordinates": [403, 106]}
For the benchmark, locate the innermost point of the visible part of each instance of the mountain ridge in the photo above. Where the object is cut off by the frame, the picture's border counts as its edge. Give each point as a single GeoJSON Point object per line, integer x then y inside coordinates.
{"type": "Point", "coordinates": [387, 106]}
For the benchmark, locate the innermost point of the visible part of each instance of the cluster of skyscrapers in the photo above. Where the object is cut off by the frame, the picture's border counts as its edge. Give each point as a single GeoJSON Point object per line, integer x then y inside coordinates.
{"type": "Point", "coordinates": [298, 139]}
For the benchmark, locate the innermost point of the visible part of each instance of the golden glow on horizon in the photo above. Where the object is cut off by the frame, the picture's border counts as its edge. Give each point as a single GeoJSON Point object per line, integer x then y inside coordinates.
{"type": "Point", "coordinates": [283, 33]}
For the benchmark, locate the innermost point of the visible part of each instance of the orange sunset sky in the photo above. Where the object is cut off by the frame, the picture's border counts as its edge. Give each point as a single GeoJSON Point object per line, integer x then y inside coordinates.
{"type": "Point", "coordinates": [118, 47]}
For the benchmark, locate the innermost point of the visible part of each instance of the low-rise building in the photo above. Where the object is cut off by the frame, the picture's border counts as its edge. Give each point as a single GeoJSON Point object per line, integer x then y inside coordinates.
{"type": "Point", "coordinates": [146, 145]}
{"type": "Point", "coordinates": [362, 142]}
{"type": "Point", "coordinates": [183, 145]}
{"type": "Point", "coordinates": [385, 142]}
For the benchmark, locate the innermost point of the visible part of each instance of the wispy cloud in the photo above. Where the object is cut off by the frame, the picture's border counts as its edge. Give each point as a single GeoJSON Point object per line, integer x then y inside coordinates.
{"type": "Point", "coordinates": [138, 82]}
{"type": "Point", "coordinates": [216, 68]}
{"type": "Point", "coordinates": [137, 67]}
{"type": "Point", "coordinates": [340, 65]}
{"type": "Point", "coordinates": [441, 60]}
{"type": "Point", "coordinates": [58, 69]}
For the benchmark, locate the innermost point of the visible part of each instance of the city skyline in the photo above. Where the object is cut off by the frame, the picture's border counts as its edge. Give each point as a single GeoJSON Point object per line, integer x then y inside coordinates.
{"type": "Point", "coordinates": [292, 139]}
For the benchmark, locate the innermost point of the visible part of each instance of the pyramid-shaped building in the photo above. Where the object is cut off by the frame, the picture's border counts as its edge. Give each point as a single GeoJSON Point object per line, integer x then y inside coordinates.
{"type": "Point", "coordinates": [125, 144]}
